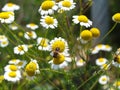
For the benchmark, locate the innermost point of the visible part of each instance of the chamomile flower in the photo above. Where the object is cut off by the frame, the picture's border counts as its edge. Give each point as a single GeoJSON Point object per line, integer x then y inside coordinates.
{"type": "Point", "coordinates": [80, 63]}
{"type": "Point", "coordinates": [6, 17]}
{"type": "Point", "coordinates": [83, 20]}
{"type": "Point", "coordinates": [60, 45]}
{"type": "Point", "coordinates": [3, 41]}
{"type": "Point", "coordinates": [116, 61]}
{"type": "Point", "coordinates": [20, 49]}
{"type": "Point", "coordinates": [10, 68]}
{"type": "Point", "coordinates": [116, 17]}
{"type": "Point", "coordinates": [13, 76]}
{"type": "Point", "coordinates": [1, 78]}
{"type": "Point", "coordinates": [48, 22]}
{"type": "Point", "coordinates": [117, 84]}
{"type": "Point", "coordinates": [105, 66]}
{"type": "Point", "coordinates": [32, 26]}
{"type": "Point", "coordinates": [101, 47]}
{"type": "Point", "coordinates": [18, 63]}
{"type": "Point", "coordinates": [10, 7]}
{"type": "Point", "coordinates": [30, 35]}
{"type": "Point", "coordinates": [101, 61]}
{"type": "Point", "coordinates": [43, 44]}
{"type": "Point", "coordinates": [86, 35]}
{"type": "Point", "coordinates": [95, 32]}
{"type": "Point", "coordinates": [66, 5]}
{"type": "Point", "coordinates": [103, 79]}
{"type": "Point", "coordinates": [32, 68]}
{"type": "Point", "coordinates": [59, 61]}
{"type": "Point", "coordinates": [13, 27]}
{"type": "Point", "coordinates": [48, 7]}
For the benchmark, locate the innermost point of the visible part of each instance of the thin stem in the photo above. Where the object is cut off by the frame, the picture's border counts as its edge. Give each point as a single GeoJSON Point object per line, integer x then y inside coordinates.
{"type": "Point", "coordinates": [108, 32]}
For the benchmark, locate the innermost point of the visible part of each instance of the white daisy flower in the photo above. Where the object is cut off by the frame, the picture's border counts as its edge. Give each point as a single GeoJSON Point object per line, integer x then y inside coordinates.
{"type": "Point", "coordinates": [32, 26]}
{"type": "Point", "coordinates": [18, 63]}
{"type": "Point", "coordinates": [10, 68]}
{"type": "Point", "coordinates": [101, 47]}
{"type": "Point", "coordinates": [20, 49]}
{"type": "Point", "coordinates": [13, 27]}
{"type": "Point", "coordinates": [80, 63]}
{"type": "Point", "coordinates": [48, 7]}
{"type": "Point", "coordinates": [30, 35]}
{"type": "Point", "coordinates": [43, 44]}
{"type": "Point", "coordinates": [83, 20]}
{"type": "Point", "coordinates": [117, 84]}
{"type": "Point", "coordinates": [116, 61]}
{"type": "Point", "coordinates": [60, 61]}
{"type": "Point", "coordinates": [66, 5]}
{"type": "Point", "coordinates": [13, 76]}
{"type": "Point", "coordinates": [3, 41]}
{"type": "Point", "coordinates": [10, 7]}
{"type": "Point", "coordinates": [101, 61]}
{"type": "Point", "coordinates": [103, 79]}
{"type": "Point", "coordinates": [7, 17]}
{"type": "Point", "coordinates": [60, 45]}
{"type": "Point", "coordinates": [32, 68]}
{"type": "Point", "coordinates": [48, 22]}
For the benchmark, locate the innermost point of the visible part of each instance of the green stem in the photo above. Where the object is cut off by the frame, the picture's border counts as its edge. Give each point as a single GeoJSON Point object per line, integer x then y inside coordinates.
{"type": "Point", "coordinates": [108, 32]}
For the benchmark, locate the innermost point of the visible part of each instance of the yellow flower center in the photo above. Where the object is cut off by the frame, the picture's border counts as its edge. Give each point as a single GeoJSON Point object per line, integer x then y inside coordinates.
{"type": "Point", "coordinates": [20, 48]}
{"type": "Point", "coordinates": [117, 83]}
{"type": "Point", "coordinates": [10, 4]}
{"type": "Point", "coordinates": [31, 68]}
{"type": "Point", "coordinates": [81, 61]}
{"type": "Point", "coordinates": [49, 20]}
{"type": "Point", "coordinates": [107, 46]}
{"type": "Point", "coordinates": [104, 79]}
{"type": "Point", "coordinates": [101, 59]}
{"type": "Point", "coordinates": [59, 59]}
{"type": "Point", "coordinates": [20, 63]}
{"type": "Point", "coordinates": [43, 43]}
{"type": "Point", "coordinates": [1, 78]}
{"type": "Point", "coordinates": [30, 33]}
{"type": "Point", "coordinates": [4, 42]}
{"type": "Point", "coordinates": [118, 59]}
{"type": "Point", "coordinates": [13, 67]}
{"type": "Point", "coordinates": [99, 46]}
{"type": "Point", "coordinates": [116, 17]}
{"type": "Point", "coordinates": [83, 18]}
{"type": "Point", "coordinates": [66, 3]}
{"type": "Point", "coordinates": [105, 66]}
{"type": "Point", "coordinates": [20, 34]}
{"type": "Point", "coordinates": [12, 74]}
{"type": "Point", "coordinates": [47, 5]}
{"type": "Point", "coordinates": [86, 35]}
{"type": "Point", "coordinates": [32, 24]}
{"type": "Point", "coordinates": [58, 45]}
{"type": "Point", "coordinates": [95, 32]}
{"type": "Point", "coordinates": [5, 15]}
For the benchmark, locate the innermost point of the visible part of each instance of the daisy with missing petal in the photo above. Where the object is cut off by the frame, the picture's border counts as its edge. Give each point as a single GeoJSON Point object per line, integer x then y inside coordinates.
{"type": "Point", "coordinates": [83, 20]}
{"type": "Point", "coordinates": [10, 7]}
{"type": "Point", "coordinates": [103, 79]}
{"type": "Point", "coordinates": [101, 61]}
{"type": "Point", "coordinates": [66, 5]}
{"type": "Point", "coordinates": [13, 76]}
{"type": "Point", "coordinates": [48, 22]}
{"type": "Point", "coordinates": [20, 49]}
{"type": "Point", "coordinates": [13, 27]}
{"type": "Point", "coordinates": [59, 61]}
{"type": "Point", "coordinates": [59, 45]}
{"type": "Point", "coordinates": [32, 68]}
{"type": "Point", "coordinates": [30, 35]}
{"type": "Point", "coordinates": [6, 17]}
{"type": "Point", "coordinates": [32, 26]}
{"type": "Point", "coordinates": [48, 7]}
{"type": "Point", "coordinates": [43, 44]}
